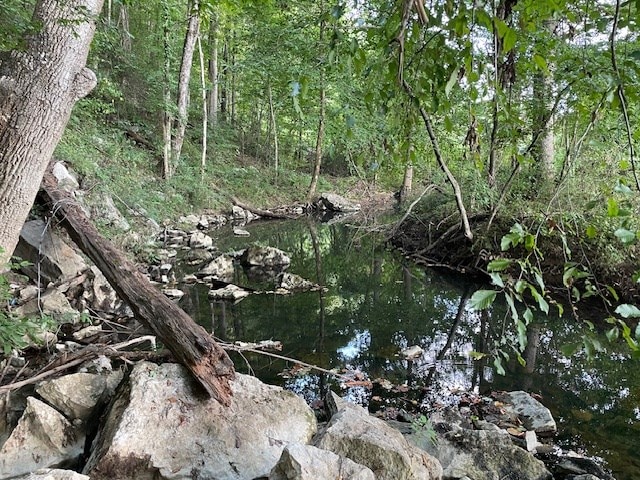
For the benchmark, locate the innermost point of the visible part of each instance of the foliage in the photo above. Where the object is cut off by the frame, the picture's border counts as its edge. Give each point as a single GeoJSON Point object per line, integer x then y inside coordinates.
{"type": "Point", "coordinates": [423, 427]}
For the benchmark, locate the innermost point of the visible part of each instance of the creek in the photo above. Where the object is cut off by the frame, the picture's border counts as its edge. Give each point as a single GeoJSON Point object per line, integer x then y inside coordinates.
{"type": "Point", "coordinates": [376, 303]}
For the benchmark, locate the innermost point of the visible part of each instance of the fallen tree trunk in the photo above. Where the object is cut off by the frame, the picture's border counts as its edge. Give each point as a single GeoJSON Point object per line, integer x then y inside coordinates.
{"type": "Point", "coordinates": [258, 211]}
{"type": "Point", "coordinates": [189, 342]}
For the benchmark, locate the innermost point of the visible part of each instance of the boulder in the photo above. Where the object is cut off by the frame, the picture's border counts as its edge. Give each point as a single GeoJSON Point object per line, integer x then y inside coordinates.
{"type": "Point", "coordinates": [220, 268]}
{"type": "Point", "coordinates": [480, 455]}
{"type": "Point", "coordinates": [197, 256]}
{"type": "Point", "coordinates": [230, 292]}
{"type": "Point", "coordinates": [74, 395]}
{"type": "Point", "coordinates": [43, 438]}
{"type": "Point", "coordinates": [265, 257]}
{"type": "Point", "coordinates": [306, 462]}
{"type": "Point", "coordinates": [52, 302]}
{"type": "Point", "coordinates": [104, 211]}
{"type": "Point", "coordinates": [53, 474]}
{"type": "Point", "coordinates": [173, 293]}
{"type": "Point", "coordinates": [367, 440]}
{"type": "Point", "coordinates": [58, 261]}
{"type": "Point", "coordinates": [162, 427]}
{"type": "Point", "coordinates": [533, 415]}
{"type": "Point", "coordinates": [336, 203]}
{"type": "Point", "coordinates": [200, 240]}
{"type": "Point", "coordinates": [241, 232]}
{"type": "Point", "coordinates": [105, 298]}
{"type": "Point", "coordinates": [295, 283]}
{"type": "Point", "coordinates": [66, 180]}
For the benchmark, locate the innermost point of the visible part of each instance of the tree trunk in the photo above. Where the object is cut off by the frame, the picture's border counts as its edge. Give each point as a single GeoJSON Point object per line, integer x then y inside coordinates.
{"type": "Point", "coordinates": [205, 123]}
{"type": "Point", "coordinates": [183, 82]}
{"type": "Point", "coordinates": [123, 23]}
{"type": "Point", "coordinates": [189, 342]}
{"type": "Point", "coordinates": [213, 72]}
{"type": "Point", "coordinates": [38, 88]}
{"type": "Point", "coordinates": [407, 183]}
{"type": "Point", "coordinates": [274, 129]}
{"type": "Point", "coordinates": [167, 118]}
{"type": "Point", "coordinates": [323, 101]}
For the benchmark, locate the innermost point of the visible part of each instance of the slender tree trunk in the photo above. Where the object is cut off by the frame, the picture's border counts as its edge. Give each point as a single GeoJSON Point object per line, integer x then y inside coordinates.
{"type": "Point", "coordinates": [407, 182]}
{"type": "Point", "coordinates": [224, 85]}
{"type": "Point", "coordinates": [213, 72]}
{"type": "Point", "coordinates": [183, 82]}
{"type": "Point", "coordinates": [123, 23]}
{"type": "Point", "coordinates": [167, 117]}
{"type": "Point", "coordinates": [36, 98]}
{"type": "Point", "coordinates": [205, 123]}
{"type": "Point", "coordinates": [274, 129]}
{"type": "Point", "coordinates": [323, 101]}
{"type": "Point", "coordinates": [233, 97]}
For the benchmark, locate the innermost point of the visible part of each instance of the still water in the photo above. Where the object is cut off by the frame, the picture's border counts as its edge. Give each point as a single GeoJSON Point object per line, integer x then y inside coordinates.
{"type": "Point", "coordinates": [376, 303]}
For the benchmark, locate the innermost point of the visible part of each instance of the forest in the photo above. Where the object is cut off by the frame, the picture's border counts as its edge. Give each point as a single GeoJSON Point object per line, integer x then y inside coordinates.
{"type": "Point", "coordinates": [507, 128]}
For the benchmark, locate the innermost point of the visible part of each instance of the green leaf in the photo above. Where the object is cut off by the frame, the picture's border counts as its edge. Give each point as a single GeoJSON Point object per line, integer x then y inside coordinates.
{"type": "Point", "coordinates": [570, 348]}
{"type": "Point", "coordinates": [529, 242]}
{"type": "Point", "coordinates": [542, 303]}
{"type": "Point", "coordinates": [497, 362]}
{"type": "Point", "coordinates": [613, 210]}
{"type": "Point", "coordinates": [453, 80]}
{"type": "Point", "coordinates": [522, 334]}
{"type": "Point", "coordinates": [591, 232]}
{"type": "Point", "coordinates": [612, 335]}
{"type": "Point", "coordinates": [477, 355]}
{"type": "Point", "coordinates": [514, 311]}
{"type": "Point", "coordinates": [499, 264]}
{"type": "Point", "coordinates": [622, 188]}
{"type": "Point", "coordinates": [509, 40]}
{"type": "Point", "coordinates": [482, 299]}
{"type": "Point", "coordinates": [540, 62]}
{"type": "Point", "coordinates": [628, 311]}
{"type": "Point", "coordinates": [496, 279]}
{"type": "Point", "coordinates": [528, 316]}
{"type": "Point", "coordinates": [625, 236]}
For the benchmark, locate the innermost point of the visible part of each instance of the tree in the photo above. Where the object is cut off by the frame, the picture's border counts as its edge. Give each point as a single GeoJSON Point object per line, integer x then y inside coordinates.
{"type": "Point", "coordinates": [39, 86]}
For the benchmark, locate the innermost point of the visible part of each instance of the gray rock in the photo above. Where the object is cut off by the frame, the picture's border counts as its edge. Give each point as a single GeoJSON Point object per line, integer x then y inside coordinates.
{"type": "Point", "coordinates": [200, 240]}
{"type": "Point", "coordinates": [265, 257]}
{"type": "Point", "coordinates": [230, 292]}
{"type": "Point", "coordinates": [87, 332]}
{"type": "Point", "coordinates": [105, 297]}
{"type": "Point", "coordinates": [162, 427]}
{"type": "Point", "coordinates": [220, 268]}
{"type": "Point", "coordinates": [531, 412]}
{"type": "Point", "coordinates": [336, 203]}
{"type": "Point", "coordinates": [306, 462]}
{"type": "Point", "coordinates": [241, 232]}
{"type": "Point", "coordinates": [103, 210]}
{"type": "Point", "coordinates": [197, 256]}
{"type": "Point", "coordinates": [481, 455]}
{"type": "Point", "coordinates": [52, 302]}
{"type": "Point", "coordinates": [367, 440]}
{"type": "Point", "coordinates": [53, 474]}
{"type": "Point", "coordinates": [74, 395]}
{"type": "Point", "coordinates": [43, 438]}
{"type": "Point", "coordinates": [173, 293]}
{"type": "Point", "coordinates": [58, 261]}
{"type": "Point", "coordinates": [293, 282]}
{"type": "Point", "coordinates": [66, 180]}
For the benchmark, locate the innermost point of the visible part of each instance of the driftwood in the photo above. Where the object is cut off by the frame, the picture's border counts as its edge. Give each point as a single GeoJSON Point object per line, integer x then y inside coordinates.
{"type": "Point", "coordinates": [258, 211]}
{"type": "Point", "coordinates": [189, 342]}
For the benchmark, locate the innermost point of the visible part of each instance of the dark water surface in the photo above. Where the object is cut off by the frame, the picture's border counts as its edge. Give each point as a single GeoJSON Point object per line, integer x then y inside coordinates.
{"type": "Point", "coordinates": [376, 304]}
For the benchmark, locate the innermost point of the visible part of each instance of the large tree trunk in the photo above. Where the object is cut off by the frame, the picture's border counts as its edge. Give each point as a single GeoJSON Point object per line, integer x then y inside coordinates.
{"type": "Point", "coordinates": [189, 342]}
{"type": "Point", "coordinates": [183, 82]}
{"type": "Point", "coordinates": [38, 88]}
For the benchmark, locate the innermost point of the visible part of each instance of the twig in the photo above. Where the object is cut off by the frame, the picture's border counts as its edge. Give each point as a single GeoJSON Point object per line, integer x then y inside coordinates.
{"type": "Point", "coordinates": [413, 204]}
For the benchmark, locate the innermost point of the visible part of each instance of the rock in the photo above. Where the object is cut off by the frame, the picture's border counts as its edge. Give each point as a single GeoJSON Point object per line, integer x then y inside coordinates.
{"type": "Point", "coordinates": [87, 332]}
{"type": "Point", "coordinates": [295, 283]}
{"type": "Point", "coordinates": [220, 268]}
{"type": "Point", "coordinates": [66, 180]}
{"type": "Point", "coordinates": [162, 427]}
{"type": "Point", "coordinates": [367, 440]}
{"type": "Point", "coordinates": [240, 232]}
{"type": "Point", "coordinates": [58, 261]}
{"type": "Point", "coordinates": [230, 292]}
{"type": "Point", "coordinates": [53, 474]}
{"type": "Point", "coordinates": [336, 203]}
{"type": "Point", "coordinates": [531, 441]}
{"type": "Point", "coordinates": [53, 303]}
{"type": "Point", "coordinates": [105, 297]}
{"type": "Point", "coordinates": [413, 352]}
{"type": "Point", "coordinates": [74, 395]}
{"type": "Point", "coordinates": [200, 240]}
{"type": "Point", "coordinates": [306, 462]}
{"type": "Point", "coordinates": [578, 466]}
{"type": "Point", "coordinates": [532, 413]}
{"type": "Point", "coordinates": [266, 257]}
{"type": "Point", "coordinates": [191, 220]}
{"type": "Point", "coordinates": [173, 293]}
{"type": "Point", "coordinates": [197, 256]}
{"type": "Point", "coordinates": [103, 210]}
{"type": "Point", "coordinates": [480, 454]}
{"type": "Point", "coordinates": [43, 438]}
{"type": "Point", "coordinates": [242, 215]}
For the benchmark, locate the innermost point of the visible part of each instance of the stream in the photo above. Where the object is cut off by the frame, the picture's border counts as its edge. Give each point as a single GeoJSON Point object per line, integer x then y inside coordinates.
{"type": "Point", "coordinates": [376, 303]}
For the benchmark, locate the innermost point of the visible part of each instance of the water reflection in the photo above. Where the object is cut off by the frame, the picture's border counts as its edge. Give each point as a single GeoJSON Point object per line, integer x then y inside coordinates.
{"type": "Point", "coordinates": [376, 304]}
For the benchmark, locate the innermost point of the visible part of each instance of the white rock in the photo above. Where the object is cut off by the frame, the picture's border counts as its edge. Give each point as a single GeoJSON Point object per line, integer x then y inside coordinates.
{"type": "Point", "coordinates": [163, 427]}
{"type": "Point", "coordinates": [200, 240]}
{"type": "Point", "coordinates": [75, 395]}
{"type": "Point", "coordinates": [230, 292]}
{"type": "Point", "coordinates": [53, 474]}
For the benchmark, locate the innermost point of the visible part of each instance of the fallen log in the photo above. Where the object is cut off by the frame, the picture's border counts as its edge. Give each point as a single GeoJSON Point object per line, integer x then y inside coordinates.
{"type": "Point", "coordinates": [259, 211]}
{"type": "Point", "coordinates": [189, 342]}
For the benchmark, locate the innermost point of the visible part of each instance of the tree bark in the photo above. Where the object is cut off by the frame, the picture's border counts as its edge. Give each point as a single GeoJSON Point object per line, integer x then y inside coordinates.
{"type": "Point", "coordinates": [38, 88]}
{"type": "Point", "coordinates": [167, 117]}
{"type": "Point", "coordinates": [213, 72]}
{"type": "Point", "coordinates": [183, 81]}
{"type": "Point", "coordinates": [189, 342]}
